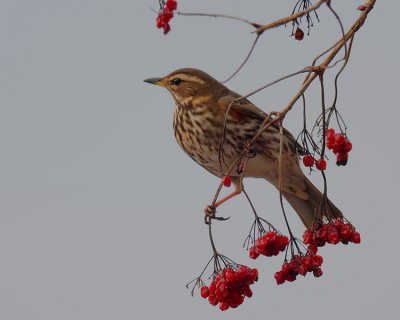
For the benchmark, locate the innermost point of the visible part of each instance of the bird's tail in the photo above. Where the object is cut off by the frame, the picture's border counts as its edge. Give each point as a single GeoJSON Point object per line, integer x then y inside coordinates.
{"type": "Point", "coordinates": [306, 208]}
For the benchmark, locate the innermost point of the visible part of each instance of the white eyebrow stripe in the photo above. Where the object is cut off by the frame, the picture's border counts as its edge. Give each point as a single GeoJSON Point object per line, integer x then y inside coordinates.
{"type": "Point", "coordinates": [186, 77]}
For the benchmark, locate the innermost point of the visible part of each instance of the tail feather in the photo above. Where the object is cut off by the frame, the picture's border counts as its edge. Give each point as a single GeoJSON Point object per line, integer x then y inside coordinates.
{"type": "Point", "coordinates": [306, 208]}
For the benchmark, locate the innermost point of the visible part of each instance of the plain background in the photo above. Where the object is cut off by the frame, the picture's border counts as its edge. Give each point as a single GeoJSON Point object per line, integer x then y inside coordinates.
{"type": "Point", "coordinates": [101, 211]}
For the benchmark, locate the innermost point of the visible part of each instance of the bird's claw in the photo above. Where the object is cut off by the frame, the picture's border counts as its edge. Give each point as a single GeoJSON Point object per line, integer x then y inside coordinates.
{"type": "Point", "coordinates": [252, 148]}
{"type": "Point", "coordinates": [210, 214]}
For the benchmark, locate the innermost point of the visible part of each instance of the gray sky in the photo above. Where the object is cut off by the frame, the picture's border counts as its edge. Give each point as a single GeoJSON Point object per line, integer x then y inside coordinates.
{"type": "Point", "coordinates": [101, 211]}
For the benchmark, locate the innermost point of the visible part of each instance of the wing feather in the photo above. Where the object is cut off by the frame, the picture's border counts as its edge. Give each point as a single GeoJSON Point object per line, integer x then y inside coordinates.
{"type": "Point", "coordinates": [246, 108]}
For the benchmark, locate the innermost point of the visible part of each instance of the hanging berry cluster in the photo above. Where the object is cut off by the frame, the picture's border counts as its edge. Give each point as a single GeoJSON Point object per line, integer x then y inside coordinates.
{"type": "Point", "coordinates": [166, 14]}
{"type": "Point", "coordinates": [230, 287]}
{"type": "Point", "coordinates": [300, 265]}
{"type": "Point", "coordinates": [269, 245]}
{"type": "Point", "coordinates": [332, 233]}
{"type": "Point", "coordinates": [339, 145]}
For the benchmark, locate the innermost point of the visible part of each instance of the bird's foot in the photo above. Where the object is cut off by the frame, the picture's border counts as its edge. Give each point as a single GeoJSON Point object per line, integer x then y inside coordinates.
{"type": "Point", "coordinates": [210, 214]}
{"type": "Point", "coordinates": [252, 148]}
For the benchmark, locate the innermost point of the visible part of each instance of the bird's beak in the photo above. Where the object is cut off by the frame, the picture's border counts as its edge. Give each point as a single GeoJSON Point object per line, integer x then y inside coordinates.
{"type": "Point", "coordinates": [157, 81]}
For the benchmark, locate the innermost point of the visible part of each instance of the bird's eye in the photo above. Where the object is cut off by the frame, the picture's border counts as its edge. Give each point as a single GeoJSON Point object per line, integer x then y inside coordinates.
{"type": "Point", "coordinates": [177, 81]}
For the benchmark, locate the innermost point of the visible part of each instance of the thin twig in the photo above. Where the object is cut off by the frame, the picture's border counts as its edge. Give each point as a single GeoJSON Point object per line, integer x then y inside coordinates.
{"type": "Point", "coordinates": [321, 79]}
{"type": "Point", "coordinates": [245, 60]}
{"type": "Point", "coordinates": [256, 25]}
{"type": "Point", "coordinates": [328, 3]}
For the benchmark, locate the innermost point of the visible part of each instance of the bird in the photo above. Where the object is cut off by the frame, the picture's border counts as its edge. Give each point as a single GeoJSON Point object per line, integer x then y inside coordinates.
{"type": "Point", "coordinates": [201, 103]}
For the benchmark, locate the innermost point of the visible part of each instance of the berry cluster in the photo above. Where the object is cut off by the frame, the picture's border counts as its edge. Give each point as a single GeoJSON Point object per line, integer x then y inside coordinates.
{"type": "Point", "coordinates": [332, 233]}
{"type": "Point", "coordinates": [339, 145]}
{"type": "Point", "coordinates": [269, 245]}
{"type": "Point", "coordinates": [299, 265]}
{"type": "Point", "coordinates": [166, 15]}
{"type": "Point", "coordinates": [308, 161]}
{"type": "Point", "coordinates": [230, 287]}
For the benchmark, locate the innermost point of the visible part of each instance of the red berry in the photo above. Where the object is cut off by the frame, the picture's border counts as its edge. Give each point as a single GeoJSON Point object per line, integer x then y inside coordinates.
{"type": "Point", "coordinates": [330, 138]}
{"type": "Point", "coordinates": [333, 237]}
{"type": "Point", "coordinates": [275, 251]}
{"type": "Point", "coordinates": [223, 306]}
{"type": "Point", "coordinates": [307, 262]}
{"type": "Point", "coordinates": [212, 288]}
{"type": "Point", "coordinates": [262, 243]}
{"type": "Point", "coordinates": [227, 181]}
{"type": "Point", "coordinates": [307, 237]}
{"type": "Point", "coordinates": [221, 286]}
{"type": "Point", "coordinates": [322, 234]}
{"type": "Point", "coordinates": [281, 242]}
{"type": "Point", "coordinates": [204, 292]}
{"type": "Point", "coordinates": [270, 236]}
{"type": "Point", "coordinates": [247, 291]}
{"type": "Point", "coordinates": [329, 145]}
{"type": "Point", "coordinates": [327, 226]}
{"type": "Point", "coordinates": [291, 277]}
{"type": "Point", "coordinates": [160, 21]}
{"type": "Point", "coordinates": [238, 299]}
{"type": "Point", "coordinates": [171, 4]}
{"type": "Point", "coordinates": [345, 232]}
{"type": "Point", "coordinates": [338, 224]}
{"type": "Point", "coordinates": [285, 268]}
{"type": "Point", "coordinates": [252, 276]}
{"type": "Point", "coordinates": [255, 272]}
{"type": "Point", "coordinates": [167, 28]}
{"type": "Point", "coordinates": [168, 14]}
{"type": "Point", "coordinates": [337, 148]}
{"type": "Point", "coordinates": [242, 272]}
{"type": "Point", "coordinates": [340, 139]}
{"type": "Point", "coordinates": [317, 261]}
{"type": "Point", "coordinates": [302, 270]}
{"type": "Point", "coordinates": [355, 237]}
{"type": "Point", "coordinates": [294, 265]}
{"type": "Point", "coordinates": [330, 132]}
{"type": "Point", "coordinates": [279, 277]}
{"type": "Point", "coordinates": [347, 146]}
{"type": "Point", "coordinates": [253, 253]}
{"type": "Point", "coordinates": [321, 164]}
{"type": "Point", "coordinates": [229, 274]}
{"type": "Point", "coordinates": [345, 241]}
{"type": "Point", "coordinates": [308, 161]}
{"type": "Point", "coordinates": [342, 156]}
{"type": "Point", "coordinates": [220, 295]}
{"type": "Point", "coordinates": [317, 272]}
{"type": "Point", "coordinates": [213, 300]}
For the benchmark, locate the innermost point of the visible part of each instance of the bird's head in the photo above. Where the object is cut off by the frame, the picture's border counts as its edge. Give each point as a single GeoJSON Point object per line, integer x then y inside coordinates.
{"type": "Point", "coordinates": [188, 84]}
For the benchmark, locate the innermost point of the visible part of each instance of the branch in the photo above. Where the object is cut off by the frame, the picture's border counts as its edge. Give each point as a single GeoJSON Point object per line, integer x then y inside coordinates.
{"type": "Point", "coordinates": [292, 17]}
{"type": "Point", "coordinates": [255, 25]}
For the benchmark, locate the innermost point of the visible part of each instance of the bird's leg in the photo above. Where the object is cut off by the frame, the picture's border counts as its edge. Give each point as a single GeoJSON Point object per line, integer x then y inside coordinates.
{"type": "Point", "coordinates": [235, 193]}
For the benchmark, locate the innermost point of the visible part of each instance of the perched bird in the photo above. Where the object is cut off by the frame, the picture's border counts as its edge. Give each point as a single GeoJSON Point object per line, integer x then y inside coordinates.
{"type": "Point", "coordinates": [201, 104]}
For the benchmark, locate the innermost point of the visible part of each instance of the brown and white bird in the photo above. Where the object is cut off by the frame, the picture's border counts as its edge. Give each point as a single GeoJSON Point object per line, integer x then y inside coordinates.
{"type": "Point", "coordinates": [201, 104]}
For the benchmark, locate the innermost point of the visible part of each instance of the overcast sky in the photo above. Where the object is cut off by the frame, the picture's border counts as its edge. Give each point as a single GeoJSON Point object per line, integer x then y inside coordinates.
{"type": "Point", "coordinates": [101, 213]}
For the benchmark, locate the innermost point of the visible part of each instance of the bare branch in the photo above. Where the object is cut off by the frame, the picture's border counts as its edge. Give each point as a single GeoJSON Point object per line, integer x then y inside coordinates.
{"type": "Point", "coordinates": [255, 25]}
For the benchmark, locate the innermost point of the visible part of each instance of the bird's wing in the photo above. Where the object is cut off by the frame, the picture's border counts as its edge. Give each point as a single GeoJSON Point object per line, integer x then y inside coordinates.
{"type": "Point", "coordinates": [246, 108]}
{"type": "Point", "coordinates": [243, 106]}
